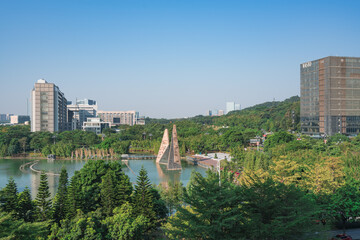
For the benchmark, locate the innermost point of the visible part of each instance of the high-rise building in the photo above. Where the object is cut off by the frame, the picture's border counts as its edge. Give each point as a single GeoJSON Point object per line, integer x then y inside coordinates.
{"type": "Point", "coordinates": [330, 96]}
{"type": "Point", "coordinates": [79, 113]}
{"type": "Point", "coordinates": [119, 117]}
{"type": "Point", "coordinates": [230, 106]}
{"type": "Point", "coordinates": [5, 117]}
{"type": "Point", "coordinates": [237, 107]}
{"type": "Point", "coordinates": [2, 117]}
{"type": "Point", "coordinates": [48, 108]}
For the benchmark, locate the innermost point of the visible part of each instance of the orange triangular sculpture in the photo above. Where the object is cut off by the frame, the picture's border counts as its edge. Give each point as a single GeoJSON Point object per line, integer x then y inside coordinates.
{"type": "Point", "coordinates": [170, 154]}
{"type": "Point", "coordinates": [162, 156]}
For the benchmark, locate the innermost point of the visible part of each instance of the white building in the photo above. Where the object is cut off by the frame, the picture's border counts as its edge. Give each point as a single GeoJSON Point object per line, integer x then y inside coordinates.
{"type": "Point", "coordinates": [230, 106]}
{"type": "Point", "coordinates": [79, 112]}
{"type": "Point", "coordinates": [95, 125]}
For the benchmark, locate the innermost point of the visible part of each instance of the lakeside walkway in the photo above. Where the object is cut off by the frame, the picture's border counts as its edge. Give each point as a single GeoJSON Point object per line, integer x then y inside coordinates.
{"type": "Point", "coordinates": [22, 168]}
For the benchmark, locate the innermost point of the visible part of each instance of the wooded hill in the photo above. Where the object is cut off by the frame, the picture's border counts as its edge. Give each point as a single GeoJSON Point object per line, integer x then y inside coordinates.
{"type": "Point", "coordinates": [269, 116]}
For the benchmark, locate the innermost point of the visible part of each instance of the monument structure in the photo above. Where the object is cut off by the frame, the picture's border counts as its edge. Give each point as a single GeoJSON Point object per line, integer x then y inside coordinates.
{"type": "Point", "coordinates": [169, 154]}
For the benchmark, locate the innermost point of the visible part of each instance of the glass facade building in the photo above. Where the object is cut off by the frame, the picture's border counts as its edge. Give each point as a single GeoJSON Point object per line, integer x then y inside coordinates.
{"type": "Point", "coordinates": [330, 96]}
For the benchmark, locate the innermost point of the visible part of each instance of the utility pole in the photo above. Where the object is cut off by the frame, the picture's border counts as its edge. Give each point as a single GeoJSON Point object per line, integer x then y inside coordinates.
{"type": "Point", "coordinates": [218, 169]}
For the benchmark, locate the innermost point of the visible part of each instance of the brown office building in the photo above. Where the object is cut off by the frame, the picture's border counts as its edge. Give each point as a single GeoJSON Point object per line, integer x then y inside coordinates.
{"type": "Point", "coordinates": [48, 108]}
{"type": "Point", "coordinates": [330, 96]}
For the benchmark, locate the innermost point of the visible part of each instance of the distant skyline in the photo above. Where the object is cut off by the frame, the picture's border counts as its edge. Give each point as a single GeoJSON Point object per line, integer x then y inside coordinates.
{"type": "Point", "coordinates": [168, 58]}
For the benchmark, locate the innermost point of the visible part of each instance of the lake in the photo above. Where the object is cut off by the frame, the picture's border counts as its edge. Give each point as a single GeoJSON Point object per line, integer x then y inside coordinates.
{"type": "Point", "coordinates": [26, 177]}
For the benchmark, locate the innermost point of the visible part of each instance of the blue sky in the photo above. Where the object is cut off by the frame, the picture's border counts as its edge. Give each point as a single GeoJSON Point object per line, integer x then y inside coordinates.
{"type": "Point", "coordinates": [168, 58]}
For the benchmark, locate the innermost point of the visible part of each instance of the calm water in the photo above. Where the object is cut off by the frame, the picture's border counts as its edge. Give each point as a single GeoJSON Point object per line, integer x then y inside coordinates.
{"type": "Point", "coordinates": [26, 177]}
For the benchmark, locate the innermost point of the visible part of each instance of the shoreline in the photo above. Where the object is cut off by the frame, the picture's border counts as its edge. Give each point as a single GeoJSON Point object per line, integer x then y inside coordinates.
{"type": "Point", "coordinates": [67, 158]}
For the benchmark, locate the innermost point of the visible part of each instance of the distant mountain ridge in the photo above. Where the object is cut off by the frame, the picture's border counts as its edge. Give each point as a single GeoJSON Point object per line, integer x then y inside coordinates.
{"type": "Point", "coordinates": [269, 116]}
{"type": "Point", "coordinates": [265, 105]}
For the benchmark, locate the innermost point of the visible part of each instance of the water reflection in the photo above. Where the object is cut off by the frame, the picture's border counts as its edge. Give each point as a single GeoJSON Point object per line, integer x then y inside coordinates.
{"type": "Point", "coordinates": [25, 177]}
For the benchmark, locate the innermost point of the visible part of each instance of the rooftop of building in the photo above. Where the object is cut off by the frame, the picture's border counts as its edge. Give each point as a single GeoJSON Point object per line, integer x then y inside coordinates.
{"type": "Point", "coordinates": [330, 57]}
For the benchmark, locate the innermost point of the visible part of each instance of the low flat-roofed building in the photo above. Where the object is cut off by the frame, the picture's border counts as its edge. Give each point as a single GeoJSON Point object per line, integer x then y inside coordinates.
{"type": "Point", "coordinates": [119, 117]}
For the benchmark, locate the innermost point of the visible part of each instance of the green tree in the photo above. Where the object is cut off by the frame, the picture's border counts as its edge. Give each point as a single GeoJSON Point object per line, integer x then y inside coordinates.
{"type": "Point", "coordinates": [88, 190]}
{"type": "Point", "coordinates": [14, 147]}
{"type": "Point", "coordinates": [40, 139]}
{"type": "Point", "coordinates": [42, 199]}
{"type": "Point", "coordinates": [278, 138]}
{"type": "Point", "coordinates": [108, 194]}
{"type": "Point", "coordinates": [9, 197]}
{"type": "Point", "coordinates": [276, 210]}
{"type": "Point", "coordinates": [23, 143]}
{"type": "Point", "coordinates": [73, 198]}
{"type": "Point", "coordinates": [25, 206]}
{"type": "Point", "coordinates": [345, 203]}
{"type": "Point", "coordinates": [46, 150]}
{"type": "Point", "coordinates": [143, 200]}
{"type": "Point", "coordinates": [213, 212]}
{"type": "Point", "coordinates": [59, 204]}
{"type": "Point", "coordinates": [159, 206]}
{"type": "Point", "coordinates": [115, 188]}
{"type": "Point", "coordinates": [11, 228]}
{"type": "Point", "coordinates": [338, 138]}
{"type": "Point", "coordinates": [172, 195]}
{"type": "Point", "coordinates": [83, 226]}
{"type": "Point", "coordinates": [3, 150]}
{"type": "Point", "coordinates": [126, 224]}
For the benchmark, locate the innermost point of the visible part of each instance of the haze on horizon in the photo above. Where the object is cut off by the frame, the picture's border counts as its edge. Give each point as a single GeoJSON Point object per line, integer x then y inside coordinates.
{"type": "Point", "coordinates": [168, 58]}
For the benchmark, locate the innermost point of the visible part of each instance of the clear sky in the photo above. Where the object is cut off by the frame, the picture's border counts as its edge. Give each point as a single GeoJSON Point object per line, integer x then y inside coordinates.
{"type": "Point", "coordinates": [170, 58]}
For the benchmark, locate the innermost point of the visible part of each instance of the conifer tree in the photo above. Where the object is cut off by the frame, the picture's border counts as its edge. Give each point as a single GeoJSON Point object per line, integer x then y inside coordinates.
{"type": "Point", "coordinates": [72, 198]}
{"type": "Point", "coordinates": [143, 198]}
{"type": "Point", "coordinates": [159, 205]}
{"type": "Point", "coordinates": [213, 211]}
{"type": "Point", "coordinates": [9, 197]}
{"type": "Point", "coordinates": [59, 205]}
{"type": "Point", "coordinates": [25, 206]}
{"type": "Point", "coordinates": [115, 189]}
{"type": "Point", "coordinates": [42, 199]}
{"type": "Point", "coordinates": [108, 194]}
{"type": "Point", "coordinates": [277, 210]}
